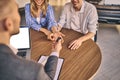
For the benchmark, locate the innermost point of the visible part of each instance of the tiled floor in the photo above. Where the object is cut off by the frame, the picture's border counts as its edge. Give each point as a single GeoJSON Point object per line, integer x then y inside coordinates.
{"type": "Point", "coordinates": [109, 43]}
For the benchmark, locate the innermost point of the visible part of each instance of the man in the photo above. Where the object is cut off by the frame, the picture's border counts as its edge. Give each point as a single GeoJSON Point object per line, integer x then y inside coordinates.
{"type": "Point", "coordinates": [11, 66]}
{"type": "Point", "coordinates": [82, 17]}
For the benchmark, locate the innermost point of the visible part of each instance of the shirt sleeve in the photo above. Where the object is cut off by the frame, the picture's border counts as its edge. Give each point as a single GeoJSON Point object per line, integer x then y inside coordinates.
{"type": "Point", "coordinates": [93, 20]}
{"type": "Point", "coordinates": [54, 54]}
{"type": "Point", "coordinates": [62, 20]}
{"type": "Point", "coordinates": [29, 20]}
{"type": "Point", "coordinates": [50, 17]}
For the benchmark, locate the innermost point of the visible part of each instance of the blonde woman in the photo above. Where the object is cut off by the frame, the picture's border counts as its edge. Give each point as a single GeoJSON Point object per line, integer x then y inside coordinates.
{"type": "Point", "coordinates": [40, 16]}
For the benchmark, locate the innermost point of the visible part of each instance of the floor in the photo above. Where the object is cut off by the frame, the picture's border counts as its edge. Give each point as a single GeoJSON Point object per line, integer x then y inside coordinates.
{"type": "Point", "coordinates": [109, 42]}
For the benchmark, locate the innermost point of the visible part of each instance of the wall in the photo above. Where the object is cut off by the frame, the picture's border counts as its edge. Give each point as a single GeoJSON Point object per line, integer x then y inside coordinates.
{"type": "Point", "coordinates": [22, 3]}
{"type": "Point", "coordinates": [114, 2]}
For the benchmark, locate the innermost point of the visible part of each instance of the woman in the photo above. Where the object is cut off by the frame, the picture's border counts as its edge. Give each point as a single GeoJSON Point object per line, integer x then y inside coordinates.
{"type": "Point", "coordinates": [40, 16]}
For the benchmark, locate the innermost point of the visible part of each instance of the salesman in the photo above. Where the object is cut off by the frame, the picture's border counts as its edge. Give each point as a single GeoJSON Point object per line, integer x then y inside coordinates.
{"type": "Point", "coordinates": [11, 66]}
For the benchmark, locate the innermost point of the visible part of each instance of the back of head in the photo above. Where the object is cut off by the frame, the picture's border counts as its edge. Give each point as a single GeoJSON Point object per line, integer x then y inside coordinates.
{"type": "Point", "coordinates": [5, 8]}
{"type": "Point", "coordinates": [9, 16]}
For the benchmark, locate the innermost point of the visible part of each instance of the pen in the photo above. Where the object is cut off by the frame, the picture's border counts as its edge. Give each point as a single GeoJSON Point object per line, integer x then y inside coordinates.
{"type": "Point", "coordinates": [58, 39]}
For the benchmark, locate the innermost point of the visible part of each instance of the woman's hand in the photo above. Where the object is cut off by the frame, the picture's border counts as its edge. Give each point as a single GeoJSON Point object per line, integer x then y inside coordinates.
{"type": "Point", "coordinates": [50, 36]}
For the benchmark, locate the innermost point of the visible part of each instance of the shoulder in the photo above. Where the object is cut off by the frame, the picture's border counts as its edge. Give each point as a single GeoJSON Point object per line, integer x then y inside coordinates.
{"type": "Point", "coordinates": [69, 4]}
{"type": "Point", "coordinates": [27, 6]}
{"type": "Point", "coordinates": [4, 47]}
{"type": "Point", "coordinates": [49, 6]}
{"type": "Point", "coordinates": [5, 50]}
{"type": "Point", "coordinates": [89, 6]}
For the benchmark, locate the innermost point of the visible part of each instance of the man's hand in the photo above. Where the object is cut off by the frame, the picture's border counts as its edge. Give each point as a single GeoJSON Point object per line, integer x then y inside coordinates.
{"type": "Point", "coordinates": [58, 34]}
{"type": "Point", "coordinates": [56, 46]}
{"type": "Point", "coordinates": [75, 44]}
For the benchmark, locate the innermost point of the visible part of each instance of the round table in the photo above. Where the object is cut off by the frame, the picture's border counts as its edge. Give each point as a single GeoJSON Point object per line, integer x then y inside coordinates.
{"type": "Point", "coordinates": [80, 64]}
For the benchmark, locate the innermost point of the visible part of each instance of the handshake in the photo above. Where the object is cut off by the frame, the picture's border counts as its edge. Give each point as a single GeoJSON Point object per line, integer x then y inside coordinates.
{"type": "Point", "coordinates": [57, 39]}
{"type": "Point", "coordinates": [56, 35]}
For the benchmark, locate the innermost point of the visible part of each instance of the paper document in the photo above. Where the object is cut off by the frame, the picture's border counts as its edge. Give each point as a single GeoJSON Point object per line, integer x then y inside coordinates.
{"type": "Point", "coordinates": [43, 60]}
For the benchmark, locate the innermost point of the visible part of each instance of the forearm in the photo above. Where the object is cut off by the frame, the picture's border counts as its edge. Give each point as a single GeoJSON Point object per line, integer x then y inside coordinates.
{"type": "Point", "coordinates": [54, 29]}
{"type": "Point", "coordinates": [45, 31]}
{"type": "Point", "coordinates": [50, 67]}
{"type": "Point", "coordinates": [87, 36]}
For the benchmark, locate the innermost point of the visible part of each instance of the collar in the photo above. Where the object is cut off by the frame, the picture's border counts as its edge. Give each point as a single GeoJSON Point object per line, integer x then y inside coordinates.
{"type": "Point", "coordinates": [82, 7]}
{"type": "Point", "coordinates": [13, 49]}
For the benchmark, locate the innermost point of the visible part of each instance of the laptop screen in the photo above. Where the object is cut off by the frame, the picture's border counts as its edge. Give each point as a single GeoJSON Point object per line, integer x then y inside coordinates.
{"type": "Point", "coordinates": [21, 41]}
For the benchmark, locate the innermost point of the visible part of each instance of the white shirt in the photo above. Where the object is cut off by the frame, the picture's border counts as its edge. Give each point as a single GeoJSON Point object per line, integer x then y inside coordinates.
{"type": "Point", "coordinates": [13, 49]}
{"type": "Point", "coordinates": [38, 19]}
{"type": "Point", "coordinates": [83, 21]}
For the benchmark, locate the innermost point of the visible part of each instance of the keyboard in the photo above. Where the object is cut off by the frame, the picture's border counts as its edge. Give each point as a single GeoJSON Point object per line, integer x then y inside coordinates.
{"type": "Point", "coordinates": [22, 54]}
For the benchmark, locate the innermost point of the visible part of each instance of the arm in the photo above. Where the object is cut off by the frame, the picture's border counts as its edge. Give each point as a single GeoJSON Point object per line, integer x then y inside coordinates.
{"type": "Point", "coordinates": [51, 19]}
{"type": "Point", "coordinates": [78, 42]}
{"type": "Point", "coordinates": [51, 64]}
{"type": "Point", "coordinates": [48, 33]}
{"type": "Point", "coordinates": [47, 72]}
{"type": "Point", "coordinates": [52, 24]}
{"type": "Point", "coordinates": [92, 24]}
{"type": "Point", "coordinates": [50, 67]}
{"type": "Point", "coordinates": [63, 16]}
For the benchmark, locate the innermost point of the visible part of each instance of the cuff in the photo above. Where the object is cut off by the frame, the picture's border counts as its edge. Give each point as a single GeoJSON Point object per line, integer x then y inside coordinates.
{"type": "Point", "coordinates": [54, 54]}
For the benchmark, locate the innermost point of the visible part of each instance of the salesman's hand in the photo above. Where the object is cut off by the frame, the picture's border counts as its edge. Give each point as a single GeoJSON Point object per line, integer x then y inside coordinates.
{"type": "Point", "coordinates": [58, 34]}
{"type": "Point", "coordinates": [56, 46]}
{"type": "Point", "coordinates": [75, 44]}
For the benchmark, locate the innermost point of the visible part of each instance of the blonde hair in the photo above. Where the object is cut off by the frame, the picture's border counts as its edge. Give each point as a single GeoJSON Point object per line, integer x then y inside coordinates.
{"type": "Point", "coordinates": [6, 8]}
{"type": "Point", "coordinates": [34, 9]}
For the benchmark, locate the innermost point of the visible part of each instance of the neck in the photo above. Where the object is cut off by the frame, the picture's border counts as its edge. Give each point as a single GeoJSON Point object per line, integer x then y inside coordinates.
{"type": "Point", "coordinates": [77, 9]}
{"type": "Point", "coordinates": [4, 38]}
{"type": "Point", "coordinates": [39, 7]}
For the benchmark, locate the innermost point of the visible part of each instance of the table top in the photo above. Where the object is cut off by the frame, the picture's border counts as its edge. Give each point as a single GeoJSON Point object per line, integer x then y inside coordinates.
{"type": "Point", "coordinates": [80, 64]}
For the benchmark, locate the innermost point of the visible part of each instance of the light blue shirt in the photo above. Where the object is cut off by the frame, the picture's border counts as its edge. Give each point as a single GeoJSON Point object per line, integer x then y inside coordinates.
{"type": "Point", "coordinates": [45, 22]}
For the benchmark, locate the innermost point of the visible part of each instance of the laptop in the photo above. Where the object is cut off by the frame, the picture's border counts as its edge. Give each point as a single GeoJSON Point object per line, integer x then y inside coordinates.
{"type": "Point", "coordinates": [21, 41]}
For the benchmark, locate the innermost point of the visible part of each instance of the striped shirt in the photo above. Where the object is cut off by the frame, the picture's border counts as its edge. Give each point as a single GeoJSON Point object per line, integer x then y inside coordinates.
{"type": "Point", "coordinates": [36, 23]}
{"type": "Point", "coordinates": [83, 21]}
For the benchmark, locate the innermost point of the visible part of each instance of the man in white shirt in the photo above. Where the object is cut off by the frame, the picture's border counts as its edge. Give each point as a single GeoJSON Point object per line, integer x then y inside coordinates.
{"type": "Point", "coordinates": [82, 17]}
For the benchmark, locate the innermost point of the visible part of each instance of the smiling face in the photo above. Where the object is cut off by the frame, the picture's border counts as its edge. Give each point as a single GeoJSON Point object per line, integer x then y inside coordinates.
{"type": "Point", "coordinates": [77, 4]}
{"type": "Point", "coordinates": [39, 2]}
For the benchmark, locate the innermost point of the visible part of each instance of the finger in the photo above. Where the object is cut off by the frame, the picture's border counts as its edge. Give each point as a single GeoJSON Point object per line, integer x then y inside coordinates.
{"type": "Point", "coordinates": [59, 41]}
{"type": "Point", "coordinates": [73, 47]}
{"type": "Point", "coordinates": [52, 37]}
{"type": "Point", "coordinates": [71, 44]}
{"type": "Point", "coordinates": [53, 46]}
{"type": "Point", "coordinates": [76, 47]}
{"type": "Point", "coordinates": [62, 34]}
{"type": "Point", "coordinates": [62, 40]}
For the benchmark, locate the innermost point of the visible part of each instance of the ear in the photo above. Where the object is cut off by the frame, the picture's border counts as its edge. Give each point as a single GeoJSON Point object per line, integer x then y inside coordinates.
{"type": "Point", "coordinates": [8, 23]}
